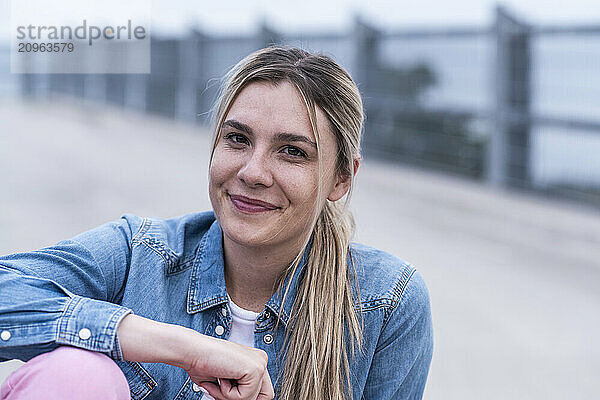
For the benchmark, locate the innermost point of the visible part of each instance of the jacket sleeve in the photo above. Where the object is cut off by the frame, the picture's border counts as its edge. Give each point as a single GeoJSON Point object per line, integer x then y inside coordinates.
{"type": "Point", "coordinates": [67, 294]}
{"type": "Point", "coordinates": [403, 355]}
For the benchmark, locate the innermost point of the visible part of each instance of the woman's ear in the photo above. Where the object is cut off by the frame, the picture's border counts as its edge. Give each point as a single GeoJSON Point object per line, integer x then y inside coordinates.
{"type": "Point", "coordinates": [343, 183]}
{"type": "Point", "coordinates": [356, 164]}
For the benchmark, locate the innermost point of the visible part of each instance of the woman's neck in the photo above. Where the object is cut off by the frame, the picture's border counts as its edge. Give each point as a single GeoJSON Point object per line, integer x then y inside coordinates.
{"type": "Point", "coordinates": [251, 273]}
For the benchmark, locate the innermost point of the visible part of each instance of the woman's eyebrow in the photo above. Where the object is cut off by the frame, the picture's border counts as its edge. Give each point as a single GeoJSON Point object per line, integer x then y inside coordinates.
{"type": "Point", "coordinates": [280, 137]}
{"type": "Point", "coordinates": [238, 125]}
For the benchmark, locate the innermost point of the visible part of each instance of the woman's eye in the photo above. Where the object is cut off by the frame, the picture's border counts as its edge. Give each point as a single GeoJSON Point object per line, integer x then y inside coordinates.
{"type": "Point", "coordinates": [294, 151]}
{"type": "Point", "coordinates": [236, 138]}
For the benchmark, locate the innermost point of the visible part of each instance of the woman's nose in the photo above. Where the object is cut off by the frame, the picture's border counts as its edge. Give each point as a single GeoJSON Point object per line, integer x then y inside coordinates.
{"type": "Point", "coordinates": [256, 171]}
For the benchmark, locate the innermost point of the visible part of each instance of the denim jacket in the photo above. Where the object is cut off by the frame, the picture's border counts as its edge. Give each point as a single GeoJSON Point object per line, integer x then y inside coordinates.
{"type": "Point", "coordinates": [77, 292]}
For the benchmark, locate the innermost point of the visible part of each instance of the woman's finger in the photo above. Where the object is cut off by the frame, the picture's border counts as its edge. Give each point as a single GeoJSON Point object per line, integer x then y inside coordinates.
{"type": "Point", "coordinates": [212, 389]}
{"type": "Point", "coordinates": [266, 388]}
{"type": "Point", "coordinates": [225, 385]}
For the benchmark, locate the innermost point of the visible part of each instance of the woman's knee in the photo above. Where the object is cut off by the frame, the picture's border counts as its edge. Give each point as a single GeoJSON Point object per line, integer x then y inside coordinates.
{"type": "Point", "coordinates": [67, 372]}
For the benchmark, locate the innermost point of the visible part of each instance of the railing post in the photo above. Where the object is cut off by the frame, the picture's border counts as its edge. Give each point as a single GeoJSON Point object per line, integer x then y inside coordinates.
{"type": "Point", "coordinates": [509, 149]}
{"type": "Point", "coordinates": [268, 36]}
{"type": "Point", "coordinates": [190, 76]}
{"type": "Point", "coordinates": [364, 60]}
{"type": "Point", "coordinates": [363, 68]}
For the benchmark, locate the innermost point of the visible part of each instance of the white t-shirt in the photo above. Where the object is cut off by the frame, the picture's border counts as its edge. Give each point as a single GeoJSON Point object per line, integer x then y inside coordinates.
{"type": "Point", "coordinates": [242, 325]}
{"type": "Point", "coordinates": [242, 328]}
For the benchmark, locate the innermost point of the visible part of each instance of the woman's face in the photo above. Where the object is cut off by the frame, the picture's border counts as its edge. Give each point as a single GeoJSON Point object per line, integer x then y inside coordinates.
{"type": "Point", "coordinates": [264, 171]}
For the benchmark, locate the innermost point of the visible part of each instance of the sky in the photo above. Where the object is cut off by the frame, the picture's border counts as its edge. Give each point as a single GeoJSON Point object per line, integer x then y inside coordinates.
{"type": "Point", "coordinates": [173, 17]}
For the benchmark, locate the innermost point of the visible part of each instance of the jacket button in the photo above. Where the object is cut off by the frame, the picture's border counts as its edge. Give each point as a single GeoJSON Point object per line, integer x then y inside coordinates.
{"type": "Point", "coordinates": [85, 334]}
{"type": "Point", "coordinates": [219, 330]}
{"type": "Point", "coordinates": [268, 338]}
{"type": "Point", "coordinates": [5, 335]}
{"type": "Point", "coordinates": [196, 388]}
{"type": "Point", "coordinates": [267, 314]}
{"type": "Point", "coordinates": [223, 311]}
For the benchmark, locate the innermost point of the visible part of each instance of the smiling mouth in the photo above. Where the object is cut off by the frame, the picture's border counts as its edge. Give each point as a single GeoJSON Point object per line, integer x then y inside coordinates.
{"type": "Point", "coordinates": [249, 205]}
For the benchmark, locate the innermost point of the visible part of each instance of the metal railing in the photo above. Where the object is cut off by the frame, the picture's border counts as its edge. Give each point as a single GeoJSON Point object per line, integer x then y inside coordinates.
{"type": "Point", "coordinates": [459, 100]}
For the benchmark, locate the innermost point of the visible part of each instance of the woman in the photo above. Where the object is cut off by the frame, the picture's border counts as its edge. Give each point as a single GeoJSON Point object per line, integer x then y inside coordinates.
{"type": "Point", "coordinates": [264, 296]}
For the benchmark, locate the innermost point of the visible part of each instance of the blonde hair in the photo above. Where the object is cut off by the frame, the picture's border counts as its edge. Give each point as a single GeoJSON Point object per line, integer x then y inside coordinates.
{"type": "Point", "coordinates": [326, 308]}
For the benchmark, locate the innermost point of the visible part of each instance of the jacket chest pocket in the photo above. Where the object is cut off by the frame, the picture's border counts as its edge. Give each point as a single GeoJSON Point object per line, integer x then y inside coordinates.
{"type": "Point", "coordinates": [140, 382]}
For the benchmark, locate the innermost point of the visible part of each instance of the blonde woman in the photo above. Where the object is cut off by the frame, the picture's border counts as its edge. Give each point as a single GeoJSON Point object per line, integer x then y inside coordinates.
{"type": "Point", "coordinates": [263, 297]}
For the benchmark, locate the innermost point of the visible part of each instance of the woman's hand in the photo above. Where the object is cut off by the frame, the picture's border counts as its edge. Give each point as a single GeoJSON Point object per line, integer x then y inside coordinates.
{"type": "Point", "coordinates": [230, 371]}
{"type": "Point", "coordinates": [227, 370]}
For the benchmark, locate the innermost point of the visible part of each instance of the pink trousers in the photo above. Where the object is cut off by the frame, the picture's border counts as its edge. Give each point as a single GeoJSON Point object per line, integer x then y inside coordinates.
{"type": "Point", "coordinates": [67, 373]}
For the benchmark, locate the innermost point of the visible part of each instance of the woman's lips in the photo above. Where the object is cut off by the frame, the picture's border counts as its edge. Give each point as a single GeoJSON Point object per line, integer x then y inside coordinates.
{"type": "Point", "coordinates": [250, 205]}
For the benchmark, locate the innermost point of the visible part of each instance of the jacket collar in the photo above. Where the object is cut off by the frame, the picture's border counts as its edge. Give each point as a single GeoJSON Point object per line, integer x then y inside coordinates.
{"type": "Point", "coordinates": [207, 281]}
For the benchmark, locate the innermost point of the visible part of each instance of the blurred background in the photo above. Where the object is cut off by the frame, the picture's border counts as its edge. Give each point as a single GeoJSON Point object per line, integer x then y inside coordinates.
{"type": "Point", "coordinates": [481, 161]}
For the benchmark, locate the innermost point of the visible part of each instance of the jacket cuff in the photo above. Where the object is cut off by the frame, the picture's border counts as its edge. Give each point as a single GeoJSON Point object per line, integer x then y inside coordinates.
{"type": "Point", "coordinates": [92, 324]}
